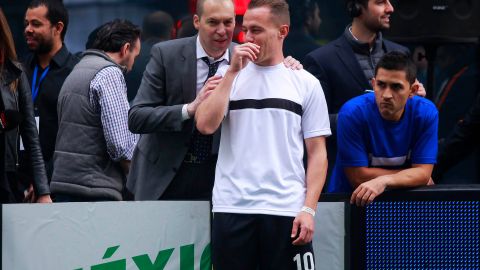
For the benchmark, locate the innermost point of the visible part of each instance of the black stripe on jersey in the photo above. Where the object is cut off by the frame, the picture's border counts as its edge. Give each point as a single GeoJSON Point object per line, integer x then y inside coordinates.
{"type": "Point", "coordinates": [268, 103]}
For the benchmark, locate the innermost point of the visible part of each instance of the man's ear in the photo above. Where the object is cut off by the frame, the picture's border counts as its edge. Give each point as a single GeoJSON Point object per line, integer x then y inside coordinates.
{"type": "Point", "coordinates": [59, 28]}
{"type": "Point", "coordinates": [125, 48]}
{"type": "Point", "coordinates": [283, 31]}
{"type": "Point", "coordinates": [196, 21]}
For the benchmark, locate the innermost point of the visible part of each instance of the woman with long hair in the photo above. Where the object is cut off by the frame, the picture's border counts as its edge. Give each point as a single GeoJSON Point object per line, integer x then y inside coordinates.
{"type": "Point", "coordinates": [17, 119]}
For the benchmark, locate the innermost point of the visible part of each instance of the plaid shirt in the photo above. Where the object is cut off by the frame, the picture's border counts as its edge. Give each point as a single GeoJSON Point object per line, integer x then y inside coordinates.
{"type": "Point", "coordinates": [108, 96]}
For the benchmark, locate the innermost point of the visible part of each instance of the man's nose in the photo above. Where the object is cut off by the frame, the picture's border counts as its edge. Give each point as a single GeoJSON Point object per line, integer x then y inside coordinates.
{"type": "Point", "coordinates": [389, 7]}
{"type": "Point", "coordinates": [249, 36]}
{"type": "Point", "coordinates": [28, 28]}
{"type": "Point", "coordinates": [221, 29]}
{"type": "Point", "coordinates": [387, 94]}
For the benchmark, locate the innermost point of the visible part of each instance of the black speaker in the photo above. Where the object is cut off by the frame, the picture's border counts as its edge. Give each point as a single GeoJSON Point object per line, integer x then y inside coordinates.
{"type": "Point", "coordinates": [435, 21]}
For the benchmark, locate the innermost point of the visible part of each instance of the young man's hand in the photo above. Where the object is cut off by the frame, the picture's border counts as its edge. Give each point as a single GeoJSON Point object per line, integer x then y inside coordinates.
{"type": "Point", "coordinates": [366, 192]}
{"type": "Point", "coordinates": [303, 227]}
{"type": "Point", "coordinates": [242, 54]}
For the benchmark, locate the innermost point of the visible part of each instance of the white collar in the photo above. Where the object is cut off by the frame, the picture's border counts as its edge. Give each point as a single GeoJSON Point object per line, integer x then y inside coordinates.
{"type": "Point", "coordinates": [201, 53]}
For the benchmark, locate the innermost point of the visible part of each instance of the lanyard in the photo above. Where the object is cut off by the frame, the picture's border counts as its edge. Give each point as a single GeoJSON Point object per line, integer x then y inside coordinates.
{"type": "Point", "coordinates": [35, 86]}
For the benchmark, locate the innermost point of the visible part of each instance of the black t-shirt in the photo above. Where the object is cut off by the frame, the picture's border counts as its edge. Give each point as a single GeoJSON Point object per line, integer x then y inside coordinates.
{"type": "Point", "coordinates": [46, 102]}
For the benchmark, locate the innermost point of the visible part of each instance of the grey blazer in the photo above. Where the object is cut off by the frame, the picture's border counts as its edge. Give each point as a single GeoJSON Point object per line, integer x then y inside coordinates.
{"type": "Point", "coordinates": [168, 83]}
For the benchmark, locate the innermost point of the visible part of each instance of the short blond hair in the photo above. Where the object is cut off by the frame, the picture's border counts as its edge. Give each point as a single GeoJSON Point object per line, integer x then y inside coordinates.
{"type": "Point", "coordinates": [278, 9]}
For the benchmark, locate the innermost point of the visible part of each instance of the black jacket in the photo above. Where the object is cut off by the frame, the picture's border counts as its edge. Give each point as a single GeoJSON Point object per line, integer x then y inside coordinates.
{"type": "Point", "coordinates": [61, 65]}
{"type": "Point", "coordinates": [21, 100]}
{"type": "Point", "coordinates": [462, 142]}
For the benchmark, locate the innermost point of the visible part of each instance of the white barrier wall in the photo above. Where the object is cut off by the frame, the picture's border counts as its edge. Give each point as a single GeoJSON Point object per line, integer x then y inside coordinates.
{"type": "Point", "coordinates": [329, 237]}
{"type": "Point", "coordinates": [106, 236]}
{"type": "Point", "coordinates": [133, 235]}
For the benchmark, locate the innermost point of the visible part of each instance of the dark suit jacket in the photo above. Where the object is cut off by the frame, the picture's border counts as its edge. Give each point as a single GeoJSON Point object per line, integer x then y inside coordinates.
{"type": "Point", "coordinates": [339, 72]}
{"type": "Point", "coordinates": [168, 83]}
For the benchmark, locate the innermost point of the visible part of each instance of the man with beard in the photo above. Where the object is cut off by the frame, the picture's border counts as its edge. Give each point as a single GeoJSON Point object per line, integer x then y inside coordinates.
{"type": "Point", "coordinates": [346, 65]}
{"type": "Point", "coordinates": [46, 23]}
{"type": "Point", "coordinates": [386, 139]}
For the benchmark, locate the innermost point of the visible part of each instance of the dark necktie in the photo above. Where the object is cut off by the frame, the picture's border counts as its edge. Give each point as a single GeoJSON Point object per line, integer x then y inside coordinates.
{"type": "Point", "coordinates": [201, 145]}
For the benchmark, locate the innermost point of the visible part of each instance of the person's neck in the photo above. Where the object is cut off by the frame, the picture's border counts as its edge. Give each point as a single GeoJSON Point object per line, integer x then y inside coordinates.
{"type": "Point", "coordinates": [363, 34]}
{"type": "Point", "coordinates": [215, 56]}
{"type": "Point", "coordinates": [44, 59]}
{"type": "Point", "coordinates": [277, 59]}
{"type": "Point", "coordinates": [115, 56]}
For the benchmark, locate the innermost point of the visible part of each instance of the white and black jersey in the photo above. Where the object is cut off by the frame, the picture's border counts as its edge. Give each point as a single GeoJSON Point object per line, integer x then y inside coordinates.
{"type": "Point", "coordinates": [260, 164]}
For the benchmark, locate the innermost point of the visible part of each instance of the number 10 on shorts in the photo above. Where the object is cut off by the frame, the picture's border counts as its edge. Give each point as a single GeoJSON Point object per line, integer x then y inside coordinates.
{"type": "Point", "coordinates": [307, 261]}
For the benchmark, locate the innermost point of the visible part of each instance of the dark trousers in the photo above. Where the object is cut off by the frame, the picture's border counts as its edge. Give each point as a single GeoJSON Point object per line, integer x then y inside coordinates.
{"type": "Point", "coordinates": [257, 242]}
{"type": "Point", "coordinates": [192, 181]}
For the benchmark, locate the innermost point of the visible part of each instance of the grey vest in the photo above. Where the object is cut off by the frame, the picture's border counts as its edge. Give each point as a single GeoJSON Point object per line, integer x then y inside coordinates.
{"type": "Point", "coordinates": [82, 166]}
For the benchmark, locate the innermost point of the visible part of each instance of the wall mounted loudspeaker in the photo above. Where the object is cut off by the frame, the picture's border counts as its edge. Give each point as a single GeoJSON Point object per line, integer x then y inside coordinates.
{"type": "Point", "coordinates": [435, 21]}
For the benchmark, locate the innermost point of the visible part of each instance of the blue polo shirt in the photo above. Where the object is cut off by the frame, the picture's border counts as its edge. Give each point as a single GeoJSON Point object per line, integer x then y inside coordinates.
{"type": "Point", "coordinates": [365, 139]}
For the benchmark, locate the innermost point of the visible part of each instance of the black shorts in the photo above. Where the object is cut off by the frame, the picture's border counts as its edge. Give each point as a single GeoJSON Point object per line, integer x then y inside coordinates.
{"type": "Point", "coordinates": [257, 242]}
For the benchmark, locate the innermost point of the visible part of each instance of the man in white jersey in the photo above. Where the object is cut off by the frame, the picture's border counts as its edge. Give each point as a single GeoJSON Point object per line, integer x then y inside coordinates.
{"type": "Point", "coordinates": [263, 200]}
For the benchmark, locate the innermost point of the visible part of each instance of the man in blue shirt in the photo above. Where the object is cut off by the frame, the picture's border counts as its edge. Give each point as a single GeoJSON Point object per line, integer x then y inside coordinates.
{"type": "Point", "coordinates": [386, 139]}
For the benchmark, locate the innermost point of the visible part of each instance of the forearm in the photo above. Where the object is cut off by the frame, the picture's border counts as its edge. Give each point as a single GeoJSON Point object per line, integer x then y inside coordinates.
{"type": "Point", "coordinates": [157, 107]}
{"type": "Point", "coordinates": [359, 175]}
{"type": "Point", "coordinates": [366, 192]}
{"type": "Point", "coordinates": [316, 171]}
{"type": "Point", "coordinates": [143, 119]}
{"type": "Point", "coordinates": [211, 111]}
{"type": "Point", "coordinates": [120, 141]}
{"type": "Point", "coordinates": [392, 178]}
{"type": "Point", "coordinates": [411, 177]}
{"type": "Point", "coordinates": [28, 129]}
{"type": "Point", "coordinates": [316, 174]}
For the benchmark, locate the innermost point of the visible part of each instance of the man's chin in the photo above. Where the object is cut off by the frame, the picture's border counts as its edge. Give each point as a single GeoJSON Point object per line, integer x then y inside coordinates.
{"type": "Point", "coordinates": [385, 26]}
{"type": "Point", "coordinates": [32, 46]}
{"type": "Point", "coordinates": [389, 116]}
{"type": "Point", "coordinates": [41, 49]}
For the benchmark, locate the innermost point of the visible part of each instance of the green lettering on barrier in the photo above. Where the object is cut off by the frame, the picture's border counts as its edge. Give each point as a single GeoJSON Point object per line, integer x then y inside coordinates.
{"type": "Point", "coordinates": [109, 252]}
{"type": "Point", "coordinates": [187, 257]}
{"type": "Point", "coordinates": [115, 265]}
{"type": "Point", "coordinates": [205, 260]}
{"type": "Point", "coordinates": [143, 262]}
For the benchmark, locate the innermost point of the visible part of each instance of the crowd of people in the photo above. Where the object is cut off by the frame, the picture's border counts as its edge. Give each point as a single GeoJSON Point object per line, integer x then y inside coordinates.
{"type": "Point", "coordinates": [138, 116]}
